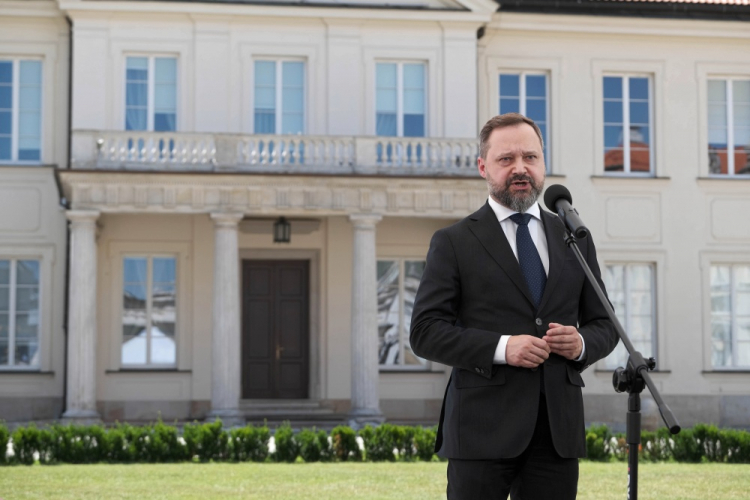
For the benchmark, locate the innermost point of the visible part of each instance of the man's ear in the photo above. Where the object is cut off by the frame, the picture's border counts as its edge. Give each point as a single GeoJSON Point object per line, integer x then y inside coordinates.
{"type": "Point", "coordinates": [481, 167]}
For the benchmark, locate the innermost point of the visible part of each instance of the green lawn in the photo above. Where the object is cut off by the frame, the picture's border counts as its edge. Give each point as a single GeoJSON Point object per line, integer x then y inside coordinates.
{"type": "Point", "coordinates": [341, 481]}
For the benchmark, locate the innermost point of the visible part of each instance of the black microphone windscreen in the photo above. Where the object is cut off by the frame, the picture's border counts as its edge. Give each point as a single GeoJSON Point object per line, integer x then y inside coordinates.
{"type": "Point", "coordinates": [554, 193]}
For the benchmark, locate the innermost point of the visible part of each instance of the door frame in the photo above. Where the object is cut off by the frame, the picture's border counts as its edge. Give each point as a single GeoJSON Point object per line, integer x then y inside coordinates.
{"type": "Point", "coordinates": [317, 365]}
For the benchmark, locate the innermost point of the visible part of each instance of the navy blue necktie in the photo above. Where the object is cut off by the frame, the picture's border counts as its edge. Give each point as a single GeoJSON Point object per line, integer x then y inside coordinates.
{"type": "Point", "coordinates": [528, 258]}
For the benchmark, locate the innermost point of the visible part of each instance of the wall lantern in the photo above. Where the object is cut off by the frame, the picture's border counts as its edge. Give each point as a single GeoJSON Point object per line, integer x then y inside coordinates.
{"type": "Point", "coordinates": [282, 231]}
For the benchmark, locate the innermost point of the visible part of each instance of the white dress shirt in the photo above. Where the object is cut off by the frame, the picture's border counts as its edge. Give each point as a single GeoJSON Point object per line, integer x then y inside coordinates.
{"type": "Point", "coordinates": [536, 229]}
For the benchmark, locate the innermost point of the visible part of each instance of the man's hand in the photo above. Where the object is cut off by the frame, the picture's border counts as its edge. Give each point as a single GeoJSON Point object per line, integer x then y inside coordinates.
{"type": "Point", "coordinates": [564, 340]}
{"type": "Point", "coordinates": [526, 351]}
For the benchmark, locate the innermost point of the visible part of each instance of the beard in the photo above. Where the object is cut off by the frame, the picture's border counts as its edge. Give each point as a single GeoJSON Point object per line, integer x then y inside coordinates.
{"type": "Point", "coordinates": [519, 201]}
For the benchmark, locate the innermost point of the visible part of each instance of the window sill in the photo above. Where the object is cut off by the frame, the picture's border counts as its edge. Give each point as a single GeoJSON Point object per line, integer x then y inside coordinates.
{"type": "Point", "coordinates": [25, 372]}
{"type": "Point", "coordinates": [605, 372]}
{"type": "Point", "coordinates": [407, 370]}
{"type": "Point", "coordinates": [147, 370]}
{"type": "Point", "coordinates": [739, 177]}
{"type": "Point", "coordinates": [735, 371]}
{"type": "Point", "coordinates": [637, 177]}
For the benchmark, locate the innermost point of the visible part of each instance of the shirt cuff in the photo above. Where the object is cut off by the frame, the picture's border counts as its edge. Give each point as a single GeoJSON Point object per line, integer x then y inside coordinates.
{"type": "Point", "coordinates": [583, 349]}
{"type": "Point", "coordinates": [499, 358]}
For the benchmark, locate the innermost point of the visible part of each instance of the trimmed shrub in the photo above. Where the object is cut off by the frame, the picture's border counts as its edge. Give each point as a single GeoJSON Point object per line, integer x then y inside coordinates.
{"type": "Point", "coordinates": [249, 443]}
{"type": "Point", "coordinates": [424, 442]}
{"type": "Point", "coordinates": [314, 445]}
{"type": "Point", "coordinates": [26, 442]}
{"type": "Point", "coordinates": [738, 446]}
{"type": "Point", "coordinates": [77, 444]}
{"type": "Point", "coordinates": [344, 444]}
{"type": "Point", "coordinates": [206, 442]}
{"type": "Point", "coordinates": [598, 442]}
{"type": "Point", "coordinates": [287, 446]}
{"type": "Point", "coordinates": [656, 446]}
{"type": "Point", "coordinates": [686, 447]}
{"type": "Point", "coordinates": [4, 438]}
{"type": "Point", "coordinates": [382, 442]}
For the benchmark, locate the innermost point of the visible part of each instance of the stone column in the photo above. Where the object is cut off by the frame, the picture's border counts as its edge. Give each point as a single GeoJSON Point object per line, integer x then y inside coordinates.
{"type": "Point", "coordinates": [225, 341]}
{"type": "Point", "coordinates": [81, 389]}
{"type": "Point", "coordinates": [364, 359]}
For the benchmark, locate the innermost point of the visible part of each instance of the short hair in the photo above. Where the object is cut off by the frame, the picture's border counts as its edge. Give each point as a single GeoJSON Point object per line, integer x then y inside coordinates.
{"type": "Point", "coordinates": [502, 121]}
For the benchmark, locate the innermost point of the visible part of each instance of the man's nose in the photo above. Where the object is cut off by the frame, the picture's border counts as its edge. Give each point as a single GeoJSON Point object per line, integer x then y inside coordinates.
{"type": "Point", "coordinates": [518, 166]}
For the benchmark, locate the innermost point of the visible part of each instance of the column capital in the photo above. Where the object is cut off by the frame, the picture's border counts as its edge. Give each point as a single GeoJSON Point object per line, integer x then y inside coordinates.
{"type": "Point", "coordinates": [82, 216]}
{"type": "Point", "coordinates": [365, 221]}
{"type": "Point", "coordinates": [226, 219]}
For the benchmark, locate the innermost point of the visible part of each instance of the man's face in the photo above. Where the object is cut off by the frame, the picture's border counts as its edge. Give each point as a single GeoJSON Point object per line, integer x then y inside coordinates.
{"type": "Point", "coordinates": [514, 167]}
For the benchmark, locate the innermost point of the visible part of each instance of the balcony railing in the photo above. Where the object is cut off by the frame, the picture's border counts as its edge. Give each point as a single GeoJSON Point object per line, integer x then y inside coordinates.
{"type": "Point", "coordinates": [167, 151]}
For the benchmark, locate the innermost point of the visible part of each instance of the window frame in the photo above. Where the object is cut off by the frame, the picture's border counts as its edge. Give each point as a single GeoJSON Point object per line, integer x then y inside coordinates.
{"type": "Point", "coordinates": [151, 92]}
{"type": "Point", "coordinates": [15, 113]}
{"type": "Point", "coordinates": [149, 256]}
{"type": "Point", "coordinates": [278, 110]}
{"type": "Point", "coordinates": [602, 365]}
{"type": "Point", "coordinates": [400, 96]}
{"type": "Point", "coordinates": [732, 317]}
{"type": "Point", "coordinates": [12, 311]}
{"type": "Point", "coordinates": [727, 79]}
{"type": "Point", "coordinates": [403, 334]}
{"type": "Point", "coordinates": [522, 74]}
{"type": "Point", "coordinates": [626, 76]}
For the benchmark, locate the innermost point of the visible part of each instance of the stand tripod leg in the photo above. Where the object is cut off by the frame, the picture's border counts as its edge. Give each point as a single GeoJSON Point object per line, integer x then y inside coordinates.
{"type": "Point", "coordinates": [633, 437]}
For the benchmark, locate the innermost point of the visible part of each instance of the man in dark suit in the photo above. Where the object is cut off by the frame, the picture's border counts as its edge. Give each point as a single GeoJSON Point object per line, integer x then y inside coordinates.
{"type": "Point", "coordinates": [503, 301]}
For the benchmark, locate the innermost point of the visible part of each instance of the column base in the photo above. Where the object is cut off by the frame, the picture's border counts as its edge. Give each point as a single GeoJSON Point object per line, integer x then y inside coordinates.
{"type": "Point", "coordinates": [229, 418]}
{"type": "Point", "coordinates": [361, 417]}
{"type": "Point", "coordinates": [81, 417]}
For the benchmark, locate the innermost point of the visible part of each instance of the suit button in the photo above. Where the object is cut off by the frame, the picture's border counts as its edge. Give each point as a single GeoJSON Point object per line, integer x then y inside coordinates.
{"type": "Point", "coordinates": [539, 322]}
{"type": "Point", "coordinates": [479, 370]}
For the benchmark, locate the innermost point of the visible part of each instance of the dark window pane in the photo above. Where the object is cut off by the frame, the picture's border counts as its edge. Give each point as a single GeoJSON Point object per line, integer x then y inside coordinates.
{"type": "Point", "coordinates": [613, 111]}
{"type": "Point", "coordinates": [510, 106]}
{"type": "Point", "coordinates": [165, 122]}
{"type": "Point", "coordinates": [29, 154]}
{"type": "Point", "coordinates": [413, 125]}
{"type": "Point", "coordinates": [639, 88]}
{"type": "Point", "coordinates": [639, 136]}
{"type": "Point", "coordinates": [136, 94]}
{"type": "Point", "coordinates": [388, 312]}
{"type": "Point", "coordinates": [612, 136]}
{"type": "Point", "coordinates": [164, 269]}
{"type": "Point", "coordinates": [717, 160]}
{"type": "Point", "coordinates": [536, 109]}
{"type": "Point", "coordinates": [265, 122]}
{"type": "Point", "coordinates": [536, 86]}
{"type": "Point", "coordinates": [6, 71]}
{"type": "Point", "coordinates": [612, 87]}
{"type": "Point", "coordinates": [613, 160]}
{"type": "Point", "coordinates": [509, 85]}
{"type": "Point", "coordinates": [386, 124]}
{"type": "Point", "coordinates": [6, 96]}
{"type": "Point", "coordinates": [6, 122]}
{"type": "Point", "coordinates": [136, 119]}
{"type": "Point", "coordinates": [639, 113]}
{"type": "Point", "coordinates": [4, 272]}
{"type": "Point", "coordinates": [5, 148]}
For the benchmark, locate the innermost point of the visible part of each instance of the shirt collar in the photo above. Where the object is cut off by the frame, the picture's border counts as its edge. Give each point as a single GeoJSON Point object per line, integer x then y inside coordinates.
{"type": "Point", "coordinates": [503, 212]}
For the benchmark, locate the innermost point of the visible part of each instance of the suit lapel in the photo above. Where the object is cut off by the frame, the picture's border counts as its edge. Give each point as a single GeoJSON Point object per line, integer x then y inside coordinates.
{"type": "Point", "coordinates": [489, 233]}
{"type": "Point", "coordinates": [555, 233]}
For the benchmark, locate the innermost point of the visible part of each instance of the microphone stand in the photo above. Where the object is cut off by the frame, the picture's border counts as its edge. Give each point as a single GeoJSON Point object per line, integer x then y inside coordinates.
{"type": "Point", "coordinates": [632, 379]}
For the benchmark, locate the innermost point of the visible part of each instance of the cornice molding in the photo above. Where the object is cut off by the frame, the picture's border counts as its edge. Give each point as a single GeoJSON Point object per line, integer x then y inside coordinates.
{"type": "Point", "coordinates": [273, 195]}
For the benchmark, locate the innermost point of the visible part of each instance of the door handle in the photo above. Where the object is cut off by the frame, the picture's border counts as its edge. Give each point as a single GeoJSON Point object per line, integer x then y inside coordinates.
{"type": "Point", "coordinates": [278, 352]}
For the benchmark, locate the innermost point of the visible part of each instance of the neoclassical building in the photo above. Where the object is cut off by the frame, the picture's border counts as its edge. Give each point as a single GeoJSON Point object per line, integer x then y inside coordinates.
{"type": "Point", "coordinates": [222, 209]}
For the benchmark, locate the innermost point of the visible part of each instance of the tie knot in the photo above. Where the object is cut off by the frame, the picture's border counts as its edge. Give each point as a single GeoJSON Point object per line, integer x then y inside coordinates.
{"type": "Point", "coordinates": [521, 219]}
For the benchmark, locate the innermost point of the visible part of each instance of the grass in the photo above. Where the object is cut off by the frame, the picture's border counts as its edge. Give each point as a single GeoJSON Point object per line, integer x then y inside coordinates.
{"type": "Point", "coordinates": [342, 481]}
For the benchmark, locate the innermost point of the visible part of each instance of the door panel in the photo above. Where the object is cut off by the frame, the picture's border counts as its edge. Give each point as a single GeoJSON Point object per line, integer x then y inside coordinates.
{"type": "Point", "coordinates": [275, 329]}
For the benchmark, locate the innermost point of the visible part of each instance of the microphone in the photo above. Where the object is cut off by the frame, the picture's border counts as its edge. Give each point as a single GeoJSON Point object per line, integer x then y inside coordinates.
{"type": "Point", "coordinates": [558, 199]}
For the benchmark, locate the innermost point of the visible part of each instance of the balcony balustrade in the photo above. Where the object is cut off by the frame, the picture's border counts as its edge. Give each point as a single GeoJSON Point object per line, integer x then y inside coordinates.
{"type": "Point", "coordinates": [188, 152]}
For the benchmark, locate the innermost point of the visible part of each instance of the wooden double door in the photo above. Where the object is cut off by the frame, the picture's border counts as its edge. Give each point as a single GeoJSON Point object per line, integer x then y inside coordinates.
{"type": "Point", "coordinates": [275, 329]}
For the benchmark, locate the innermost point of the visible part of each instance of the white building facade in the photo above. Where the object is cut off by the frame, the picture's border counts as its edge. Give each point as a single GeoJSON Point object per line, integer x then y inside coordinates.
{"type": "Point", "coordinates": [182, 134]}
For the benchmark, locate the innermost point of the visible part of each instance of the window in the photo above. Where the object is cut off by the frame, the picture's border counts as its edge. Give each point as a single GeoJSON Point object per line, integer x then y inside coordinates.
{"type": "Point", "coordinates": [19, 313]}
{"type": "Point", "coordinates": [527, 93]}
{"type": "Point", "coordinates": [398, 281]}
{"type": "Point", "coordinates": [20, 110]}
{"type": "Point", "coordinates": [730, 316]}
{"type": "Point", "coordinates": [632, 292]}
{"type": "Point", "coordinates": [729, 127]}
{"type": "Point", "coordinates": [151, 94]}
{"type": "Point", "coordinates": [149, 311]}
{"type": "Point", "coordinates": [279, 97]}
{"type": "Point", "coordinates": [628, 130]}
{"type": "Point", "coordinates": [400, 99]}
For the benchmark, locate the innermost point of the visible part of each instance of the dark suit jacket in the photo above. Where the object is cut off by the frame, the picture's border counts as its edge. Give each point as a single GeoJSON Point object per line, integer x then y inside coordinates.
{"type": "Point", "coordinates": [472, 292]}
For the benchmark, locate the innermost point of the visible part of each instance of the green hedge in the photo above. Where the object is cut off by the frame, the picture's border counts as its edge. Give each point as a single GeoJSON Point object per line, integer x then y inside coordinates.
{"type": "Point", "coordinates": [204, 442]}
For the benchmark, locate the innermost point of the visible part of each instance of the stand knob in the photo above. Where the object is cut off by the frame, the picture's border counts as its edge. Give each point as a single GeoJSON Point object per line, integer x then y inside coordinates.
{"type": "Point", "coordinates": [651, 363]}
{"type": "Point", "coordinates": [620, 379]}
